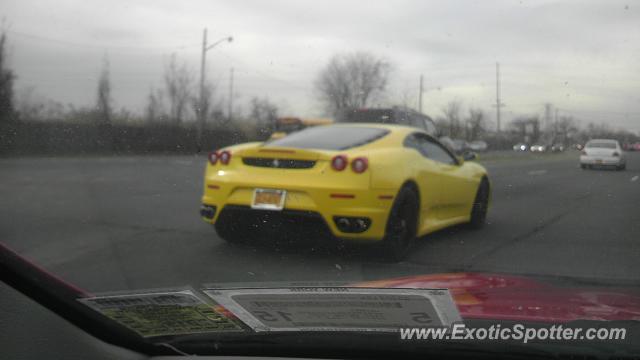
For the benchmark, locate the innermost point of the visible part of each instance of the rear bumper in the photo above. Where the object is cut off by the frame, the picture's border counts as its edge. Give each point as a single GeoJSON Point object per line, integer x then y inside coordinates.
{"type": "Point", "coordinates": [285, 224]}
{"type": "Point", "coordinates": [601, 160]}
{"type": "Point", "coordinates": [304, 208]}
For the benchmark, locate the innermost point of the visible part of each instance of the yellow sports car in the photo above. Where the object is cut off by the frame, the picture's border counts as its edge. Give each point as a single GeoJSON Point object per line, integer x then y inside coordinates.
{"type": "Point", "coordinates": [369, 182]}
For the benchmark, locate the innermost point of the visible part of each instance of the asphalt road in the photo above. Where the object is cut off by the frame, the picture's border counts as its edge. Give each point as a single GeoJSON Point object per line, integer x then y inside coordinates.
{"type": "Point", "coordinates": [118, 223]}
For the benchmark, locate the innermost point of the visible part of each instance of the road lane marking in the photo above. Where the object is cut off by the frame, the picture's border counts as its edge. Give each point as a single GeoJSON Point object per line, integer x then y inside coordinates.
{"type": "Point", "coordinates": [634, 178]}
{"type": "Point", "coordinates": [537, 172]}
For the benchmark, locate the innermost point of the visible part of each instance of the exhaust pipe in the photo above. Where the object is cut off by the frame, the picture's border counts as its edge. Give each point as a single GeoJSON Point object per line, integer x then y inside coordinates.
{"type": "Point", "coordinates": [207, 211]}
{"type": "Point", "coordinates": [349, 224]}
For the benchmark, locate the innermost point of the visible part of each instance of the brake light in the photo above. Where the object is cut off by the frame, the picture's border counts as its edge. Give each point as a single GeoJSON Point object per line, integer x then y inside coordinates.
{"type": "Point", "coordinates": [359, 165]}
{"type": "Point", "coordinates": [339, 162]}
{"type": "Point", "coordinates": [583, 152]}
{"type": "Point", "coordinates": [213, 157]}
{"type": "Point", "coordinates": [615, 154]}
{"type": "Point", "coordinates": [225, 157]}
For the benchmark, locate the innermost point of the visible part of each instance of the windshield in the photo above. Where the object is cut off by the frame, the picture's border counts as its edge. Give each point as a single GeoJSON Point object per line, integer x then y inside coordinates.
{"type": "Point", "coordinates": [602, 145]}
{"type": "Point", "coordinates": [330, 138]}
{"type": "Point", "coordinates": [206, 167]}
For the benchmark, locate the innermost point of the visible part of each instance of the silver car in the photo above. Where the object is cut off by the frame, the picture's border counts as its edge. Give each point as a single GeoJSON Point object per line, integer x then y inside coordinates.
{"type": "Point", "coordinates": [603, 152]}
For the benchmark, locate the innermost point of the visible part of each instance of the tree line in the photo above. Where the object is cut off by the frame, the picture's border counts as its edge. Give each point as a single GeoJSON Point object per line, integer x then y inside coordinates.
{"type": "Point", "coordinates": [347, 81]}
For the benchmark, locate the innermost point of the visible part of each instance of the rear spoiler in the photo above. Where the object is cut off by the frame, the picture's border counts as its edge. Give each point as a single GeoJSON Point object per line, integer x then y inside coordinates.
{"type": "Point", "coordinates": [284, 152]}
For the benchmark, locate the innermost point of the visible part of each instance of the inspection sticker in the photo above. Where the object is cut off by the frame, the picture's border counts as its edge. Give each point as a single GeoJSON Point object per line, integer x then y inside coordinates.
{"type": "Point", "coordinates": [338, 308]}
{"type": "Point", "coordinates": [163, 313]}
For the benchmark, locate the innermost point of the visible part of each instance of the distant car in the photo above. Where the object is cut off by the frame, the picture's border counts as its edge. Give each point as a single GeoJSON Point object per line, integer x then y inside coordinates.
{"type": "Point", "coordinates": [633, 147]}
{"type": "Point", "coordinates": [602, 152]}
{"type": "Point", "coordinates": [460, 146]}
{"type": "Point", "coordinates": [538, 148]}
{"type": "Point", "coordinates": [478, 146]}
{"type": "Point", "coordinates": [446, 141]}
{"type": "Point", "coordinates": [457, 146]}
{"type": "Point", "coordinates": [394, 115]}
{"type": "Point", "coordinates": [557, 148]}
{"type": "Point", "coordinates": [520, 147]}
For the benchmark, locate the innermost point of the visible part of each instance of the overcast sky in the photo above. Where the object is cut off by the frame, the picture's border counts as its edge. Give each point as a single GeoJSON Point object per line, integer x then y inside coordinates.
{"type": "Point", "coordinates": [582, 56]}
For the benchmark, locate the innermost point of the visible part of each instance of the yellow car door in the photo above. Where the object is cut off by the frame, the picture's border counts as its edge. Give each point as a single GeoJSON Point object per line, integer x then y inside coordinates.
{"type": "Point", "coordinates": [455, 183]}
{"type": "Point", "coordinates": [429, 180]}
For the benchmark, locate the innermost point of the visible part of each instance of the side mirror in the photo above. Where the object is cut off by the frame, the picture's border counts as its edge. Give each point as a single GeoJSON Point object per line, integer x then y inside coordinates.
{"type": "Point", "coordinates": [469, 156]}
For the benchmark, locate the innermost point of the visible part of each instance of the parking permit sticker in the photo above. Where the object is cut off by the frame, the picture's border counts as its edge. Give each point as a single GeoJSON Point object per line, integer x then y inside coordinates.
{"type": "Point", "coordinates": [163, 313]}
{"type": "Point", "coordinates": [338, 308]}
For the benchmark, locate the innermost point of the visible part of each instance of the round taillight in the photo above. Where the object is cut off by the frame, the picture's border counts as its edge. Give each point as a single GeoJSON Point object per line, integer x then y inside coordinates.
{"type": "Point", "coordinates": [213, 157]}
{"type": "Point", "coordinates": [339, 162]}
{"type": "Point", "coordinates": [225, 157]}
{"type": "Point", "coordinates": [359, 165]}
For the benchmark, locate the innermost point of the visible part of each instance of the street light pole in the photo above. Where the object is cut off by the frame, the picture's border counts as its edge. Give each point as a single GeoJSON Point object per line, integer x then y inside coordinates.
{"type": "Point", "coordinates": [201, 110]}
{"type": "Point", "coordinates": [202, 113]}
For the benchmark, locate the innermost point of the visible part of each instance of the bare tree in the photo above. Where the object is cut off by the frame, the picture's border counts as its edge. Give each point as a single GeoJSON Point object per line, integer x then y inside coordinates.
{"type": "Point", "coordinates": [6, 84]}
{"type": "Point", "coordinates": [208, 104]}
{"type": "Point", "coordinates": [154, 110]}
{"type": "Point", "coordinates": [351, 81]}
{"type": "Point", "coordinates": [442, 126]}
{"type": "Point", "coordinates": [178, 81]}
{"type": "Point", "coordinates": [564, 129]}
{"type": "Point", "coordinates": [28, 106]}
{"type": "Point", "coordinates": [103, 105]}
{"type": "Point", "coordinates": [526, 128]}
{"type": "Point", "coordinates": [476, 124]}
{"type": "Point", "coordinates": [264, 113]}
{"type": "Point", "coordinates": [452, 115]}
{"type": "Point", "coordinates": [7, 112]}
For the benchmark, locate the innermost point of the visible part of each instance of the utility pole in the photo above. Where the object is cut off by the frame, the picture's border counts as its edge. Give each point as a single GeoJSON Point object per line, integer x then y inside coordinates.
{"type": "Point", "coordinates": [547, 116]}
{"type": "Point", "coordinates": [420, 96]}
{"type": "Point", "coordinates": [555, 125]}
{"type": "Point", "coordinates": [230, 94]}
{"type": "Point", "coordinates": [202, 112]}
{"type": "Point", "coordinates": [498, 104]}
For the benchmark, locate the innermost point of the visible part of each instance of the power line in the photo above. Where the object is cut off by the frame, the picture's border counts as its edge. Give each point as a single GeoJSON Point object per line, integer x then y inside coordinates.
{"type": "Point", "coordinates": [605, 112]}
{"type": "Point", "coordinates": [139, 48]}
{"type": "Point", "coordinates": [262, 74]}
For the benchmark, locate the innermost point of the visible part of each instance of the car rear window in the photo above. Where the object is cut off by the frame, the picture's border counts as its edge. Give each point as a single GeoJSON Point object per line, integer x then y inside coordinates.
{"type": "Point", "coordinates": [603, 145]}
{"type": "Point", "coordinates": [330, 138]}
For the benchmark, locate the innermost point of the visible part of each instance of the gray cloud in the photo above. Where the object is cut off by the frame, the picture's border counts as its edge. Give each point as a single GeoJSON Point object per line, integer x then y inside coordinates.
{"type": "Point", "coordinates": [583, 56]}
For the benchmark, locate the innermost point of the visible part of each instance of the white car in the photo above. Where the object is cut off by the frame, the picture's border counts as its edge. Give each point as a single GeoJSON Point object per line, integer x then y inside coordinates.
{"type": "Point", "coordinates": [520, 147]}
{"type": "Point", "coordinates": [603, 152]}
{"type": "Point", "coordinates": [538, 148]}
{"type": "Point", "coordinates": [478, 146]}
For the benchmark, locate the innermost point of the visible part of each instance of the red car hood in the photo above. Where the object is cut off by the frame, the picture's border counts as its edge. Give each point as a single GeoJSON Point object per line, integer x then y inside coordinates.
{"type": "Point", "coordinates": [506, 297]}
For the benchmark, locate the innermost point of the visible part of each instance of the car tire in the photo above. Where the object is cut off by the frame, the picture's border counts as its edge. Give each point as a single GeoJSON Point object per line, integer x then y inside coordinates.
{"type": "Point", "coordinates": [480, 206]}
{"type": "Point", "coordinates": [402, 225]}
{"type": "Point", "coordinates": [229, 233]}
{"type": "Point", "coordinates": [622, 167]}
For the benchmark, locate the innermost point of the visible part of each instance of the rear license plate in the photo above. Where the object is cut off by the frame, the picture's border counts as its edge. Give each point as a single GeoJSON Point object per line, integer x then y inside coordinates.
{"type": "Point", "coordinates": [268, 199]}
{"type": "Point", "coordinates": [598, 161]}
